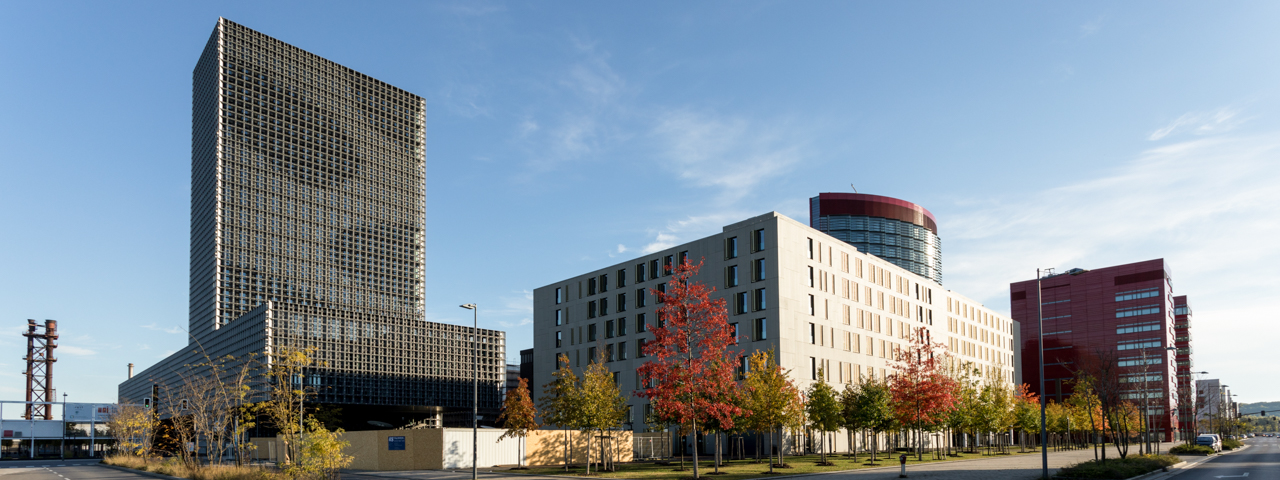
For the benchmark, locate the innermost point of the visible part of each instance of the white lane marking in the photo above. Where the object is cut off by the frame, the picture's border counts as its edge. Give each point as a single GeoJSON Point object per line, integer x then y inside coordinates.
{"type": "Point", "coordinates": [1233, 476]}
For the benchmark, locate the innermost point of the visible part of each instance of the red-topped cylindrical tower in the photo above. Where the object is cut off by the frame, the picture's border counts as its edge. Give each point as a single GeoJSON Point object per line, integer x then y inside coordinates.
{"type": "Point", "coordinates": [896, 230]}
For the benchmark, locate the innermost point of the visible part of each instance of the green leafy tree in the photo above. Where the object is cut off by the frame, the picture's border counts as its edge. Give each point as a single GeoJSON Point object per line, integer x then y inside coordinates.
{"type": "Point", "coordinates": [519, 416]}
{"type": "Point", "coordinates": [768, 394]}
{"type": "Point", "coordinates": [851, 418]}
{"type": "Point", "coordinates": [876, 403]}
{"type": "Point", "coordinates": [320, 455]}
{"type": "Point", "coordinates": [1026, 412]}
{"type": "Point", "coordinates": [561, 402]}
{"type": "Point", "coordinates": [823, 410]}
{"type": "Point", "coordinates": [601, 405]}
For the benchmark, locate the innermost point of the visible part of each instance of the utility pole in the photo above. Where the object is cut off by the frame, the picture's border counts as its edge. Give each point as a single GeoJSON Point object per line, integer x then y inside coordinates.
{"type": "Point", "coordinates": [1044, 432]}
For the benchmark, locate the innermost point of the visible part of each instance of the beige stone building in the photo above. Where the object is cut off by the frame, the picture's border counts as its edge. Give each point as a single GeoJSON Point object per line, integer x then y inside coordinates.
{"type": "Point", "coordinates": [816, 300]}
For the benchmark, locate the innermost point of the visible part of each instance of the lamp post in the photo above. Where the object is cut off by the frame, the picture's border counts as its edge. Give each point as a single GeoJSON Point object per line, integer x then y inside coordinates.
{"type": "Point", "coordinates": [64, 426]}
{"type": "Point", "coordinates": [475, 386]}
{"type": "Point", "coordinates": [1044, 432]}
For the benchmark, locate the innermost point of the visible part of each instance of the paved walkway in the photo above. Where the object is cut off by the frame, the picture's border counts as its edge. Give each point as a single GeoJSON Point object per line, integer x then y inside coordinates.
{"type": "Point", "coordinates": [1014, 467]}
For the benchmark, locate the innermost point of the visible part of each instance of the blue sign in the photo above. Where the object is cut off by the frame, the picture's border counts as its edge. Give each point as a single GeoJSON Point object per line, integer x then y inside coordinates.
{"type": "Point", "coordinates": [395, 443]}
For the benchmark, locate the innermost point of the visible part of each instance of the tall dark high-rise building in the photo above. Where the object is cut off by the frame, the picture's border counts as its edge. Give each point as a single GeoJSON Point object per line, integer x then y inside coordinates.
{"type": "Point", "coordinates": [307, 218]}
{"type": "Point", "coordinates": [896, 230]}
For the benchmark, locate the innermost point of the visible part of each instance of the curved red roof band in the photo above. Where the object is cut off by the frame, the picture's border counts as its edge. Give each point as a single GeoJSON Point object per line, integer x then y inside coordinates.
{"type": "Point", "coordinates": [875, 206]}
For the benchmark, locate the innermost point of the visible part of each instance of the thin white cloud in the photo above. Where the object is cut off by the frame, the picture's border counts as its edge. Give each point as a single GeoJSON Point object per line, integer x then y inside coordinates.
{"type": "Point", "coordinates": [1221, 120]}
{"type": "Point", "coordinates": [691, 227]}
{"type": "Point", "coordinates": [1092, 27]}
{"type": "Point", "coordinates": [74, 350]}
{"type": "Point", "coordinates": [157, 328]}
{"type": "Point", "coordinates": [732, 154]}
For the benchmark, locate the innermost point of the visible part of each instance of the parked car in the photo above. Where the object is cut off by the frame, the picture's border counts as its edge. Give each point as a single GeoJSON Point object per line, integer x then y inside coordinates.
{"type": "Point", "coordinates": [1211, 441]}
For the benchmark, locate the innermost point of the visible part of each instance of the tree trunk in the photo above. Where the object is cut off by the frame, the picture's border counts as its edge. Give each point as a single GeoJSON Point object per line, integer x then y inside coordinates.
{"type": "Point", "coordinates": [695, 449]}
{"type": "Point", "coordinates": [782, 438]}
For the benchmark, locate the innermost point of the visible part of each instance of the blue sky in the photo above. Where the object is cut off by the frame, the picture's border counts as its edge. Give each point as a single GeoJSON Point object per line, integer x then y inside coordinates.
{"type": "Point", "coordinates": [567, 136]}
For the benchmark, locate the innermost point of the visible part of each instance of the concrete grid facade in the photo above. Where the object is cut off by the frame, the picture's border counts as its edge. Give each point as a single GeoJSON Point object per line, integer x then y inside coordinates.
{"type": "Point", "coordinates": [1124, 310]}
{"type": "Point", "coordinates": [814, 299]}
{"type": "Point", "coordinates": [308, 189]}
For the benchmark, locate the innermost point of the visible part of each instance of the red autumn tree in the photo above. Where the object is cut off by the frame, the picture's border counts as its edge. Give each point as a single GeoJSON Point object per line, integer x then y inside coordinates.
{"type": "Point", "coordinates": [922, 392]}
{"type": "Point", "coordinates": [690, 379]}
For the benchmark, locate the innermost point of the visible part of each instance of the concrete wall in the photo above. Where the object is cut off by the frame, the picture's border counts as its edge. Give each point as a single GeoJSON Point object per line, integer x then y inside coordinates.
{"type": "Point", "coordinates": [547, 447]}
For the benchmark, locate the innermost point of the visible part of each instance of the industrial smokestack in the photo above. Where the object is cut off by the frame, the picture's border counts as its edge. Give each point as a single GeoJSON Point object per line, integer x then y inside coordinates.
{"type": "Point", "coordinates": [130, 370]}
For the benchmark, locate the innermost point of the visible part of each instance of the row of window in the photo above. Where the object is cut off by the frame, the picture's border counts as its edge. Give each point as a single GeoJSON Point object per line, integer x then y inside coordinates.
{"type": "Point", "coordinates": [1135, 311]}
{"type": "Point", "coordinates": [1146, 327]}
{"type": "Point", "coordinates": [1136, 294]}
{"type": "Point", "coordinates": [1137, 344]}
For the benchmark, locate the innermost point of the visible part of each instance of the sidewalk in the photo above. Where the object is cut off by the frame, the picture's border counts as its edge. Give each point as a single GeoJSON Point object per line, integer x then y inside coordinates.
{"type": "Point", "coordinates": [1015, 467]}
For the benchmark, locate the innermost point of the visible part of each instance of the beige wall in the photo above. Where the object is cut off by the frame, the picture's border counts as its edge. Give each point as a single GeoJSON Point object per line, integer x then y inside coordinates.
{"type": "Point", "coordinates": [547, 447]}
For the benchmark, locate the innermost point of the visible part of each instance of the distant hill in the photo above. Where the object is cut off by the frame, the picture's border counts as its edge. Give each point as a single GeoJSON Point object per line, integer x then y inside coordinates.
{"type": "Point", "coordinates": [1272, 408]}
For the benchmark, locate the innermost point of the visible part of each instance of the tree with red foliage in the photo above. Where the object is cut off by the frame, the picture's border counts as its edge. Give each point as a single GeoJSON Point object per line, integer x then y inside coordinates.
{"type": "Point", "coordinates": [690, 379]}
{"type": "Point", "coordinates": [922, 392]}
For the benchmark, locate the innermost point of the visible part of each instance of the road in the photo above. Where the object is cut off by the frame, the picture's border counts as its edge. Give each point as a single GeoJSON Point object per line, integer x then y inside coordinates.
{"type": "Point", "coordinates": [63, 470]}
{"type": "Point", "coordinates": [1259, 461]}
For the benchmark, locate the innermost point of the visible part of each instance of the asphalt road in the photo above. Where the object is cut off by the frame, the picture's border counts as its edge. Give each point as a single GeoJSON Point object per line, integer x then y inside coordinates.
{"type": "Point", "coordinates": [63, 470]}
{"type": "Point", "coordinates": [1259, 461]}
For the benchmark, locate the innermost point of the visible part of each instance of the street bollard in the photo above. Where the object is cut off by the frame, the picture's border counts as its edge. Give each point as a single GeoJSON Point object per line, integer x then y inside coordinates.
{"type": "Point", "coordinates": [902, 459]}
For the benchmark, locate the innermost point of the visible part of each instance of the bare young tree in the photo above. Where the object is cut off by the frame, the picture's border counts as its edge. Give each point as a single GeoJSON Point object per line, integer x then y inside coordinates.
{"type": "Point", "coordinates": [286, 372]}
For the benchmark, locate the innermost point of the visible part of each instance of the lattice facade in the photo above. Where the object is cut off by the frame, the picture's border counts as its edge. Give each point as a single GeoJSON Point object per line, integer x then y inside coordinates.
{"type": "Point", "coordinates": [308, 189]}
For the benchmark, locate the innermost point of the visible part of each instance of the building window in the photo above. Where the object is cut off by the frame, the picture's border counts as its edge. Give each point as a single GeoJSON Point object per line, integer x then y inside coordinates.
{"type": "Point", "coordinates": [758, 270]}
{"type": "Point", "coordinates": [622, 278]}
{"type": "Point", "coordinates": [761, 304]}
{"type": "Point", "coordinates": [608, 352]}
{"type": "Point", "coordinates": [622, 350]}
{"type": "Point", "coordinates": [731, 276]}
{"type": "Point", "coordinates": [811, 306]}
{"type": "Point", "coordinates": [604, 306]}
{"type": "Point", "coordinates": [640, 298]}
{"type": "Point", "coordinates": [608, 329]}
{"type": "Point", "coordinates": [559, 295]}
{"type": "Point", "coordinates": [591, 309]}
{"type": "Point", "coordinates": [757, 240]}
{"type": "Point", "coordinates": [622, 326]}
{"type": "Point", "coordinates": [811, 252]}
{"type": "Point", "coordinates": [639, 273]}
{"type": "Point", "coordinates": [662, 288]}
{"type": "Point", "coordinates": [641, 326]}
{"type": "Point", "coordinates": [591, 286]}
{"type": "Point", "coordinates": [559, 339]}
{"type": "Point", "coordinates": [591, 355]}
{"type": "Point", "coordinates": [733, 330]}
{"type": "Point", "coordinates": [741, 372]}
{"type": "Point", "coordinates": [640, 348]}
{"type": "Point", "coordinates": [666, 265]}
{"type": "Point", "coordinates": [684, 257]}
{"type": "Point", "coordinates": [810, 277]}
{"type": "Point", "coordinates": [622, 302]}
{"type": "Point", "coordinates": [591, 333]}
{"type": "Point", "coordinates": [559, 318]}
{"type": "Point", "coordinates": [604, 283]}
{"type": "Point", "coordinates": [731, 247]}
{"type": "Point", "coordinates": [813, 334]}
{"type": "Point", "coordinates": [760, 330]}
{"type": "Point", "coordinates": [654, 273]}
{"type": "Point", "coordinates": [740, 303]}
{"type": "Point", "coordinates": [813, 368]}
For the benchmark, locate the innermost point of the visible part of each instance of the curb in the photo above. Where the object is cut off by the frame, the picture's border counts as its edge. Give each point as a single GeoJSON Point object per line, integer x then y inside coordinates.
{"type": "Point", "coordinates": [140, 472]}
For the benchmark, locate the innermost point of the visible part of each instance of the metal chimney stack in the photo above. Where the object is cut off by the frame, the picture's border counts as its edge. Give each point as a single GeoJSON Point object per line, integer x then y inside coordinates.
{"type": "Point", "coordinates": [130, 370]}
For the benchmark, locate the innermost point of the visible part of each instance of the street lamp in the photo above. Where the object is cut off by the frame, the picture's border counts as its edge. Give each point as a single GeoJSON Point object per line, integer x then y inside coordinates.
{"type": "Point", "coordinates": [64, 426]}
{"type": "Point", "coordinates": [475, 386]}
{"type": "Point", "coordinates": [1044, 432]}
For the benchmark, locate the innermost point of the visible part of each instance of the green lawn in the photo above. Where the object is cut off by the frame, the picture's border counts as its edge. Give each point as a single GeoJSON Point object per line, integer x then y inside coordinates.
{"type": "Point", "coordinates": [743, 469]}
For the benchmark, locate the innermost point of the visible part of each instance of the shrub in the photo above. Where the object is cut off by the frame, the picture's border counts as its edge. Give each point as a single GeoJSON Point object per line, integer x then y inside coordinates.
{"type": "Point", "coordinates": [1118, 469]}
{"type": "Point", "coordinates": [175, 468]}
{"type": "Point", "coordinates": [1186, 449]}
{"type": "Point", "coordinates": [1231, 444]}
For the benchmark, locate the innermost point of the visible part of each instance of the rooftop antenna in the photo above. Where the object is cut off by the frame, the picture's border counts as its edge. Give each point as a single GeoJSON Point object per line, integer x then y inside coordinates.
{"type": "Point", "coordinates": [855, 189]}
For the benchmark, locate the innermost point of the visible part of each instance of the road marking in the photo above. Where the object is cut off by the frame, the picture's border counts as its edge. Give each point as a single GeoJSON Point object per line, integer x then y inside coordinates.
{"type": "Point", "coordinates": [1233, 476]}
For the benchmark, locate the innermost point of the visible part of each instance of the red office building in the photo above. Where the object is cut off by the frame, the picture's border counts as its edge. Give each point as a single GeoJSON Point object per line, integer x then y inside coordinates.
{"type": "Point", "coordinates": [1124, 313]}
